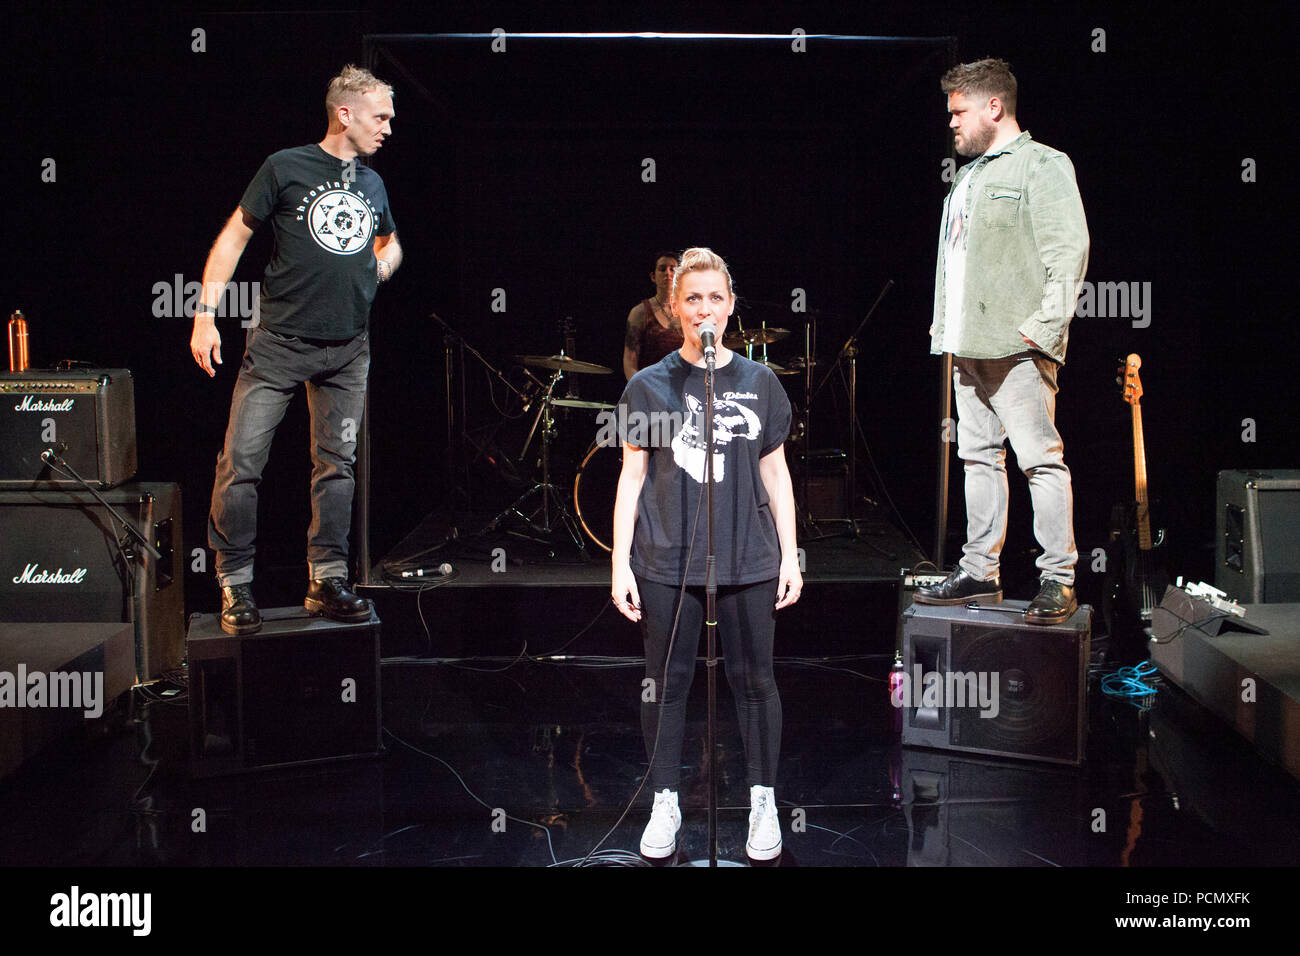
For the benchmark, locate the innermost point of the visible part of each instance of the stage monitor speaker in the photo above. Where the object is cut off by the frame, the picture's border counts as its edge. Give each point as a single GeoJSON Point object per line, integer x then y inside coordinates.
{"type": "Point", "coordinates": [91, 411]}
{"type": "Point", "coordinates": [1257, 547]}
{"type": "Point", "coordinates": [301, 690]}
{"type": "Point", "coordinates": [64, 557]}
{"type": "Point", "coordinates": [985, 681]}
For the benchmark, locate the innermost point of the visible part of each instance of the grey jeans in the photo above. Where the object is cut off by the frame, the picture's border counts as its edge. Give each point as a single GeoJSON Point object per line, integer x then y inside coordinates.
{"type": "Point", "coordinates": [1013, 398]}
{"type": "Point", "coordinates": [273, 368]}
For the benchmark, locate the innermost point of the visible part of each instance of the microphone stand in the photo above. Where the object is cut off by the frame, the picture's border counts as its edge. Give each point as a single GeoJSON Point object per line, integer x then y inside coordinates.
{"type": "Point", "coordinates": [710, 619]}
{"type": "Point", "coordinates": [52, 458]}
{"type": "Point", "coordinates": [711, 610]}
{"type": "Point", "coordinates": [128, 554]}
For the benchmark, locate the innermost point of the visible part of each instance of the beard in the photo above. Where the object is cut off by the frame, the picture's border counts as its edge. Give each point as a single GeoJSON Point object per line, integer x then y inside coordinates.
{"type": "Point", "coordinates": [977, 141]}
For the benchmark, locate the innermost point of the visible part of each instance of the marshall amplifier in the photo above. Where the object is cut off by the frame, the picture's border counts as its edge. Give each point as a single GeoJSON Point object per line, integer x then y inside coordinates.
{"type": "Point", "coordinates": [90, 411]}
{"type": "Point", "coordinates": [65, 557]}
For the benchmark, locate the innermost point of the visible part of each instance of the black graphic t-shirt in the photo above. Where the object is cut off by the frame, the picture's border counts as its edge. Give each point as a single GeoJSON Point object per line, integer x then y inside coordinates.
{"type": "Point", "coordinates": [662, 411]}
{"type": "Point", "coordinates": [325, 214]}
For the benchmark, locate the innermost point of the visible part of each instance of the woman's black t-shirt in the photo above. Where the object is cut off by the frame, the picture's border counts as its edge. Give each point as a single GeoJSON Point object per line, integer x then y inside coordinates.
{"type": "Point", "coordinates": [661, 411]}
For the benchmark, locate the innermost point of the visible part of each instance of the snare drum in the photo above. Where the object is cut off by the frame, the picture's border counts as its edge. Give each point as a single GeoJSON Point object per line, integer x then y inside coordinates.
{"type": "Point", "coordinates": [594, 489]}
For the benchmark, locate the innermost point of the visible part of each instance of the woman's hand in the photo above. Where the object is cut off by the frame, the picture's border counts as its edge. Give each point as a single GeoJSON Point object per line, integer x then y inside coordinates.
{"type": "Point", "coordinates": [623, 590]}
{"type": "Point", "coordinates": [789, 582]}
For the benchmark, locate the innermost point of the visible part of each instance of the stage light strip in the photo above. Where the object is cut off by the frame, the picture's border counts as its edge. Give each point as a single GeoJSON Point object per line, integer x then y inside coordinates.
{"type": "Point", "coordinates": [648, 36]}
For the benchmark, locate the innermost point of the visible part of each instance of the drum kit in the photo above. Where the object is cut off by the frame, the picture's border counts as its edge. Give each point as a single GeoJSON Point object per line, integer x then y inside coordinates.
{"type": "Point", "coordinates": [551, 510]}
{"type": "Point", "coordinates": [587, 514]}
{"type": "Point", "coordinates": [550, 515]}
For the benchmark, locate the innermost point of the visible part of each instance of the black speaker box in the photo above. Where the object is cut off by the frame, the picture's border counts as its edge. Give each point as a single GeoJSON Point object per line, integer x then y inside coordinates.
{"type": "Point", "coordinates": [91, 411]}
{"type": "Point", "coordinates": [1000, 686]}
{"type": "Point", "coordinates": [1257, 549]}
{"type": "Point", "coordinates": [64, 557]}
{"type": "Point", "coordinates": [301, 690]}
{"type": "Point", "coordinates": [826, 476]}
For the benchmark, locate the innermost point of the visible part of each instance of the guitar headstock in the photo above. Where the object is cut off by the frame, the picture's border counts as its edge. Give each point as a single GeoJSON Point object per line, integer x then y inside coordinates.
{"type": "Point", "coordinates": [1129, 380]}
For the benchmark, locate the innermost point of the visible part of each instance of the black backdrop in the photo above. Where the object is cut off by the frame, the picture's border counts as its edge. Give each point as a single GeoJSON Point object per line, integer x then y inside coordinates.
{"type": "Point", "coordinates": [522, 171]}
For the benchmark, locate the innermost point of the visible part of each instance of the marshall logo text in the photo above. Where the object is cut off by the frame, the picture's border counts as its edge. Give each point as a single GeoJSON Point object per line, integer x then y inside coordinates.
{"type": "Point", "coordinates": [31, 403]}
{"type": "Point", "coordinates": [31, 575]}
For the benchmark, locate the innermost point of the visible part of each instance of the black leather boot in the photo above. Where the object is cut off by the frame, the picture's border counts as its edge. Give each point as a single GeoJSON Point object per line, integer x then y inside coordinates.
{"type": "Point", "coordinates": [960, 588]}
{"type": "Point", "coordinates": [1054, 604]}
{"type": "Point", "coordinates": [239, 613]}
{"type": "Point", "coordinates": [333, 598]}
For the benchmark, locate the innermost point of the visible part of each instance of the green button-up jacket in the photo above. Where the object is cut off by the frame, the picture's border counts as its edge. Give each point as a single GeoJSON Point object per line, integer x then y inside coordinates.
{"type": "Point", "coordinates": [1026, 252]}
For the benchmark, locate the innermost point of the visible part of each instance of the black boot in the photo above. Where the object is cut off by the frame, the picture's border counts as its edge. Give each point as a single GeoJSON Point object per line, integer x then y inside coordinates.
{"type": "Point", "coordinates": [333, 598]}
{"type": "Point", "coordinates": [239, 613]}
{"type": "Point", "coordinates": [1054, 604]}
{"type": "Point", "coordinates": [960, 588]}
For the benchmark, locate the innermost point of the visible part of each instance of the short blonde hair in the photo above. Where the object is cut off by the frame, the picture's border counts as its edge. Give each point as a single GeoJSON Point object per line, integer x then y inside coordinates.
{"type": "Point", "coordinates": [700, 259]}
{"type": "Point", "coordinates": [351, 82]}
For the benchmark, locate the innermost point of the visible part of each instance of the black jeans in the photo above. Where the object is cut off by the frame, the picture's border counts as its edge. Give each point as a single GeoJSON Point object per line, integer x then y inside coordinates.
{"type": "Point", "coordinates": [746, 628]}
{"type": "Point", "coordinates": [273, 368]}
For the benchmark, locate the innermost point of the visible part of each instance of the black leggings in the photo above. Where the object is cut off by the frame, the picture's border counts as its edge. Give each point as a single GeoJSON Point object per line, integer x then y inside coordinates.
{"type": "Point", "coordinates": [746, 626]}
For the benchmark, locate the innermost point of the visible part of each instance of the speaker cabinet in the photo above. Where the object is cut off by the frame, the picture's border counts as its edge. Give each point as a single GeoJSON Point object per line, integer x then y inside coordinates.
{"type": "Point", "coordinates": [92, 412]}
{"type": "Point", "coordinates": [986, 682]}
{"type": "Point", "coordinates": [1257, 551]}
{"type": "Point", "coordinates": [302, 690]}
{"type": "Point", "coordinates": [65, 557]}
{"type": "Point", "coordinates": [826, 475]}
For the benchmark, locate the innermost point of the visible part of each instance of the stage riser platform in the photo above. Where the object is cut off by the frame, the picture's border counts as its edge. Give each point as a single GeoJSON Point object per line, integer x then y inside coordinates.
{"type": "Point", "coordinates": [1212, 670]}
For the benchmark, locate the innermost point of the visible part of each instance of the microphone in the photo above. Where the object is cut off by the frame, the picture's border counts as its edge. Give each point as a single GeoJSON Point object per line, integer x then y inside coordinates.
{"type": "Point", "coordinates": [54, 452]}
{"type": "Point", "coordinates": [708, 333]}
{"type": "Point", "coordinates": [441, 571]}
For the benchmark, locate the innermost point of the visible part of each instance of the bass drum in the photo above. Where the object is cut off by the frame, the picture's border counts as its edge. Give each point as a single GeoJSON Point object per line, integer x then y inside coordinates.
{"type": "Point", "coordinates": [594, 489]}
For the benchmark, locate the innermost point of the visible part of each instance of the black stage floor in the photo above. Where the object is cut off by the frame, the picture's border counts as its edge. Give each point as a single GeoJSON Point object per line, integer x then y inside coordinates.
{"type": "Point", "coordinates": [530, 762]}
{"type": "Point", "coordinates": [511, 738]}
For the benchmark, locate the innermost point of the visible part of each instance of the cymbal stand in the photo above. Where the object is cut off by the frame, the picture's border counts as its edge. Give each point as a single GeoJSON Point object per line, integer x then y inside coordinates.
{"type": "Point", "coordinates": [549, 493]}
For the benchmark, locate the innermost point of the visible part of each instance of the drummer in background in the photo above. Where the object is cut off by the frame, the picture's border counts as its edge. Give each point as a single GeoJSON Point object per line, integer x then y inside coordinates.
{"type": "Point", "coordinates": [652, 329]}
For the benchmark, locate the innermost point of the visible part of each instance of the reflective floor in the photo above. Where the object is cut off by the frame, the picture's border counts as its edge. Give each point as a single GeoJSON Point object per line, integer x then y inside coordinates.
{"type": "Point", "coordinates": [521, 763]}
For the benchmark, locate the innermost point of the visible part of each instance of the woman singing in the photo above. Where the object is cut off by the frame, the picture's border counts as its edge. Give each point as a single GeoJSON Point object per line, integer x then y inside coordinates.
{"type": "Point", "coordinates": [657, 547]}
{"type": "Point", "coordinates": [652, 329]}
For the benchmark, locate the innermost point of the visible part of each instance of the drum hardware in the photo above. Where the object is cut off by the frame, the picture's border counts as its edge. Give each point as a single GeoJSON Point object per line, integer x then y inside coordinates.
{"type": "Point", "coordinates": [562, 363]}
{"type": "Point", "coordinates": [594, 488]}
{"type": "Point", "coordinates": [743, 338]}
{"type": "Point", "coordinates": [582, 403]}
{"type": "Point", "coordinates": [849, 352]}
{"type": "Point", "coordinates": [459, 443]}
{"type": "Point", "coordinates": [550, 494]}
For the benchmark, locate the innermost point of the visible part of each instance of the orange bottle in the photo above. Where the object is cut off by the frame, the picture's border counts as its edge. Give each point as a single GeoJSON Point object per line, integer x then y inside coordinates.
{"type": "Point", "coordinates": [18, 342]}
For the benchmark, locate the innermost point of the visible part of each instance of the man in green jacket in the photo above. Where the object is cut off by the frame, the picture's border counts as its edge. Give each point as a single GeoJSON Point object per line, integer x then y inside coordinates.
{"type": "Point", "coordinates": [1013, 250]}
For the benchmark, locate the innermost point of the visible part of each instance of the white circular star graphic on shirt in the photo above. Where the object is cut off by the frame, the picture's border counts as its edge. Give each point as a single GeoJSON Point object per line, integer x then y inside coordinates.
{"type": "Point", "coordinates": [340, 222]}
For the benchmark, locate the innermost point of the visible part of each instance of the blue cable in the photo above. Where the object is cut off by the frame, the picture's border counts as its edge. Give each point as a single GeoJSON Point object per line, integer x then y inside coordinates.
{"type": "Point", "coordinates": [1129, 683]}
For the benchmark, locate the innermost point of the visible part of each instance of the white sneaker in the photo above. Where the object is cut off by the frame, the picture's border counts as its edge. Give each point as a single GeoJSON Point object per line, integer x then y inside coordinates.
{"type": "Point", "coordinates": [764, 826]}
{"type": "Point", "coordinates": [660, 837]}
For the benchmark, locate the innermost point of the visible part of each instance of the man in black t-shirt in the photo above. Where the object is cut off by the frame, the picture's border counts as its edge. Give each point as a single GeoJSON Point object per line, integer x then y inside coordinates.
{"type": "Point", "coordinates": [335, 242]}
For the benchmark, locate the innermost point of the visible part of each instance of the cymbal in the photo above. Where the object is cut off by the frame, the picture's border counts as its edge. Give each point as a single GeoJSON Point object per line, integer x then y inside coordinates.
{"type": "Point", "coordinates": [581, 403]}
{"type": "Point", "coordinates": [564, 363]}
{"type": "Point", "coordinates": [738, 339]}
{"type": "Point", "coordinates": [774, 367]}
{"type": "Point", "coordinates": [798, 364]}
